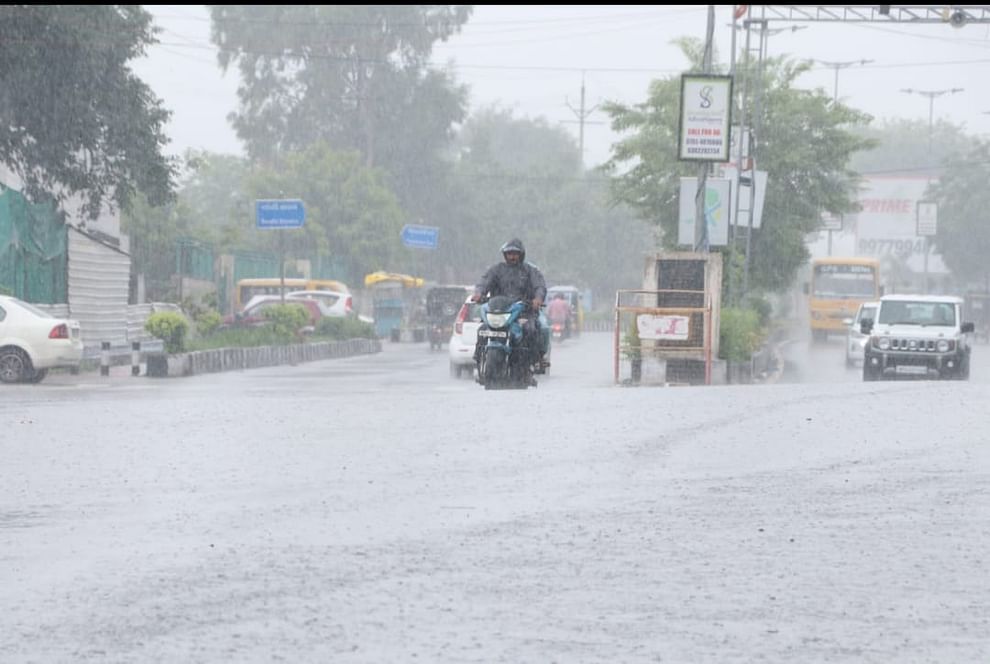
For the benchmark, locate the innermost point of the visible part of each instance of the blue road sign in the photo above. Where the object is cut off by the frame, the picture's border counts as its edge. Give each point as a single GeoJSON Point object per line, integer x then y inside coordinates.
{"type": "Point", "coordinates": [420, 237]}
{"type": "Point", "coordinates": [280, 213]}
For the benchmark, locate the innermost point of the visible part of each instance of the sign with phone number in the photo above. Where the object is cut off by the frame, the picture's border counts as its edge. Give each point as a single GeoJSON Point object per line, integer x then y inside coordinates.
{"type": "Point", "coordinates": [880, 247]}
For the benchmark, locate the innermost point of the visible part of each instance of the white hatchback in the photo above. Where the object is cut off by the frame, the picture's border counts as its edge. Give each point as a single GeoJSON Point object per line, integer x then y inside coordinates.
{"type": "Point", "coordinates": [33, 341]}
{"type": "Point", "coordinates": [855, 339]}
{"type": "Point", "coordinates": [464, 338]}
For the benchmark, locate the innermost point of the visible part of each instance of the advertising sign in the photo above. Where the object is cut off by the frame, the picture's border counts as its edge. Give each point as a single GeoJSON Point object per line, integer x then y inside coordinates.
{"type": "Point", "coordinates": [666, 328]}
{"type": "Point", "coordinates": [706, 103]}
{"type": "Point", "coordinates": [887, 222]}
{"type": "Point", "coordinates": [717, 211]}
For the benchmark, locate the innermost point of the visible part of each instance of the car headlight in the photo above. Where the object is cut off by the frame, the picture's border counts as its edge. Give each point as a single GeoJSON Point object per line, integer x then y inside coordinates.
{"type": "Point", "coordinates": [943, 346]}
{"type": "Point", "coordinates": [497, 320]}
{"type": "Point", "coordinates": [883, 343]}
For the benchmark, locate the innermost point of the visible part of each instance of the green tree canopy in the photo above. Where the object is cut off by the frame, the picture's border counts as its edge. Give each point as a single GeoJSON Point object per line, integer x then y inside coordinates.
{"type": "Point", "coordinates": [964, 214]}
{"type": "Point", "coordinates": [355, 77]}
{"type": "Point", "coordinates": [75, 118]}
{"type": "Point", "coordinates": [805, 146]}
{"type": "Point", "coordinates": [350, 213]}
{"type": "Point", "coordinates": [520, 177]}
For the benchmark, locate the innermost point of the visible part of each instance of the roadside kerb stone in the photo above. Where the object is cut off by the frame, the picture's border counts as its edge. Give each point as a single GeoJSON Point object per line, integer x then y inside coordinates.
{"type": "Point", "coordinates": [237, 359]}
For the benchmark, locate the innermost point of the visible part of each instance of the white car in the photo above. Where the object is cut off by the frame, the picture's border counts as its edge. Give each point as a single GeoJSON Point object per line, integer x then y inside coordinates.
{"type": "Point", "coordinates": [33, 341]}
{"type": "Point", "coordinates": [463, 339]}
{"type": "Point", "coordinates": [855, 339]}
{"type": "Point", "coordinates": [918, 336]}
{"type": "Point", "coordinates": [331, 303]}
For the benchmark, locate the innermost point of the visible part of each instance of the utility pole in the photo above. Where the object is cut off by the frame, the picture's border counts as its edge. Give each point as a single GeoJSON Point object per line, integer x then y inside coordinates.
{"type": "Point", "coordinates": [582, 115]}
{"type": "Point", "coordinates": [931, 94]}
{"type": "Point", "coordinates": [702, 241]}
{"type": "Point", "coordinates": [835, 100]}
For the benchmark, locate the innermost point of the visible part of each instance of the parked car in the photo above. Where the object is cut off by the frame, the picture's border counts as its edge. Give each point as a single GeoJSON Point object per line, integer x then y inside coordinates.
{"type": "Point", "coordinates": [33, 341]}
{"type": "Point", "coordinates": [920, 336]}
{"type": "Point", "coordinates": [254, 314]}
{"type": "Point", "coordinates": [855, 339]}
{"type": "Point", "coordinates": [334, 304]}
{"type": "Point", "coordinates": [463, 339]}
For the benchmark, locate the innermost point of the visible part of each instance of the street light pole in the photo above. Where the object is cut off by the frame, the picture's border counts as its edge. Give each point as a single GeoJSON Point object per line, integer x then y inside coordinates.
{"type": "Point", "coordinates": [835, 100]}
{"type": "Point", "coordinates": [837, 66]}
{"type": "Point", "coordinates": [931, 94]}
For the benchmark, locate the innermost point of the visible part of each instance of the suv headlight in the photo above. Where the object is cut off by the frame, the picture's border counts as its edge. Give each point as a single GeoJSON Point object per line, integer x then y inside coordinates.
{"type": "Point", "coordinates": [943, 346]}
{"type": "Point", "coordinates": [883, 343]}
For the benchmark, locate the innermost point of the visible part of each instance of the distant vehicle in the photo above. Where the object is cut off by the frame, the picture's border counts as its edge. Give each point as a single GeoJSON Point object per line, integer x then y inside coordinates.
{"type": "Point", "coordinates": [442, 305]}
{"type": "Point", "coordinates": [575, 299]}
{"type": "Point", "coordinates": [254, 314]}
{"type": "Point", "coordinates": [248, 288]}
{"type": "Point", "coordinates": [855, 339]}
{"type": "Point", "coordinates": [336, 305]}
{"type": "Point", "coordinates": [33, 341]}
{"type": "Point", "coordinates": [838, 286]}
{"type": "Point", "coordinates": [463, 339]}
{"type": "Point", "coordinates": [920, 336]}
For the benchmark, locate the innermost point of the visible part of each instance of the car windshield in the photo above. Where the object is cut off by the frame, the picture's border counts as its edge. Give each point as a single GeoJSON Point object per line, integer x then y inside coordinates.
{"type": "Point", "coordinates": [900, 312]}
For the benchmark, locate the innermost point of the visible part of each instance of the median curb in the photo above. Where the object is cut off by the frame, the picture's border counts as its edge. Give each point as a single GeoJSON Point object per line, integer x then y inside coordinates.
{"type": "Point", "coordinates": [162, 365]}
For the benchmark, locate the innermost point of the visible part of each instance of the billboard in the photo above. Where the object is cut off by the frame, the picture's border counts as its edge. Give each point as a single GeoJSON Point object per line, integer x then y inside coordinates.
{"type": "Point", "coordinates": [887, 222]}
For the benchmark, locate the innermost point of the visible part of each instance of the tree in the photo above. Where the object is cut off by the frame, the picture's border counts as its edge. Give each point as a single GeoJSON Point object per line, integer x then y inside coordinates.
{"type": "Point", "coordinates": [901, 147]}
{"type": "Point", "coordinates": [350, 213]}
{"type": "Point", "coordinates": [353, 76]}
{"type": "Point", "coordinates": [75, 119]}
{"type": "Point", "coordinates": [964, 214]}
{"type": "Point", "coordinates": [521, 177]}
{"type": "Point", "coordinates": [805, 147]}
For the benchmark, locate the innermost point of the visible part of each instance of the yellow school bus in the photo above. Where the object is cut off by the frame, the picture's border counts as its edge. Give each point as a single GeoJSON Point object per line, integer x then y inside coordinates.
{"type": "Point", "coordinates": [248, 288]}
{"type": "Point", "coordinates": [838, 286]}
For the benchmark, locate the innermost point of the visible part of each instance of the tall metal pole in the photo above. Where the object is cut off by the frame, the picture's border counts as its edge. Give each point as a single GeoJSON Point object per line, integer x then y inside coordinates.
{"type": "Point", "coordinates": [702, 241]}
{"type": "Point", "coordinates": [739, 139]}
{"type": "Point", "coordinates": [931, 94]}
{"type": "Point", "coordinates": [754, 147]}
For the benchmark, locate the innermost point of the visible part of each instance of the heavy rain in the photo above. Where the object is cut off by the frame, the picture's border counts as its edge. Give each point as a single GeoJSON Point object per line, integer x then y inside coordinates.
{"type": "Point", "coordinates": [387, 334]}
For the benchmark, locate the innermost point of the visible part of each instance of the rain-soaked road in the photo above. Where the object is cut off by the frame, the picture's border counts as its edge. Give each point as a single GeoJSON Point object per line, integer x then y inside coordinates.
{"type": "Point", "coordinates": [375, 510]}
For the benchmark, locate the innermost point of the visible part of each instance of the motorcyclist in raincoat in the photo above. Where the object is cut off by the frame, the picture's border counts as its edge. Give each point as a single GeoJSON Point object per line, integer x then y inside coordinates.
{"type": "Point", "coordinates": [519, 280]}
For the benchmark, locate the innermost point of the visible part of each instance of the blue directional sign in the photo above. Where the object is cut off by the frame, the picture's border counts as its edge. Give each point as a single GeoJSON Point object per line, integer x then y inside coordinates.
{"type": "Point", "coordinates": [289, 213]}
{"type": "Point", "coordinates": [420, 237]}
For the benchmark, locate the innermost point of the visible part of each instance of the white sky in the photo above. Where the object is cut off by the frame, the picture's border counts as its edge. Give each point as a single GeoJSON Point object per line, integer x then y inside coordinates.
{"type": "Point", "coordinates": [531, 58]}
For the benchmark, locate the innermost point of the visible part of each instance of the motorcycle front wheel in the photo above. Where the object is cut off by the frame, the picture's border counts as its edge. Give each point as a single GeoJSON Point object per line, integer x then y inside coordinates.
{"type": "Point", "coordinates": [494, 369]}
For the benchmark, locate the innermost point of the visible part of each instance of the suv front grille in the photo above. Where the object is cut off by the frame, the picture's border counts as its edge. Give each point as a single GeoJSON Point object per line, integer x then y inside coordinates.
{"type": "Point", "coordinates": [914, 345]}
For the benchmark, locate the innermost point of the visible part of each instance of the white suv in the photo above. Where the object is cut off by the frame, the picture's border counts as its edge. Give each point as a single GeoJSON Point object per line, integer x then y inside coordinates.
{"type": "Point", "coordinates": [917, 335]}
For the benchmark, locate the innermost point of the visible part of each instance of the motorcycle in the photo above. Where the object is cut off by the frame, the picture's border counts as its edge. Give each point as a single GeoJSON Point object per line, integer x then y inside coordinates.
{"type": "Point", "coordinates": [559, 331]}
{"type": "Point", "coordinates": [505, 360]}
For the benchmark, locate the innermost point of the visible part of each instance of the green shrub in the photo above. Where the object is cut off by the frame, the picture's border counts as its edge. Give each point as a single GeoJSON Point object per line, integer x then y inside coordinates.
{"type": "Point", "coordinates": [349, 327]}
{"type": "Point", "coordinates": [170, 327]}
{"type": "Point", "coordinates": [243, 337]}
{"type": "Point", "coordinates": [740, 334]}
{"type": "Point", "coordinates": [287, 319]}
{"type": "Point", "coordinates": [207, 321]}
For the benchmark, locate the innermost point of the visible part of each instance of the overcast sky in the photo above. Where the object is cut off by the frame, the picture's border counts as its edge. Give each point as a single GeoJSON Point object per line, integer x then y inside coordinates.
{"type": "Point", "coordinates": [532, 58]}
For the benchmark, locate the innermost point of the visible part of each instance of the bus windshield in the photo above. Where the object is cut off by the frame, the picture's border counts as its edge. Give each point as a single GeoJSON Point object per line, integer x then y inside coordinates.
{"type": "Point", "coordinates": [844, 281]}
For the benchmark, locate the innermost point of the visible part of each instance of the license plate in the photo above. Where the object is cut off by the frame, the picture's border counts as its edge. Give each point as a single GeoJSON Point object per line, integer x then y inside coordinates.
{"type": "Point", "coordinates": [912, 369]}
{"type": "Point", "coordinates": [497, 334]}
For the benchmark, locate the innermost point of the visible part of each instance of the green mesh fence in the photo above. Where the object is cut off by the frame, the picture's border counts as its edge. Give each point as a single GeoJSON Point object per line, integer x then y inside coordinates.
{"type": "Point", "coordinates": [33, 250]}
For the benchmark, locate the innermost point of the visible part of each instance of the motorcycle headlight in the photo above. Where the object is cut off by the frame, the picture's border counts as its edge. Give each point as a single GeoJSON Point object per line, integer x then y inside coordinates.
{"type": "Point", "coordinates": [884, 343]}
{"type": "Point", "coordinates": [498, 320]}
{"type": "Point", "coordinates": [943, 346]}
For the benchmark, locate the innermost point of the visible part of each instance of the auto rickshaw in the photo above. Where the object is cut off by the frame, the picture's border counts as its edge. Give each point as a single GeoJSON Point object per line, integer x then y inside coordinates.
{"type": "Point", "coordinates": [442, 304]}
{"type": "Point", "coordinates": [397, 302]}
